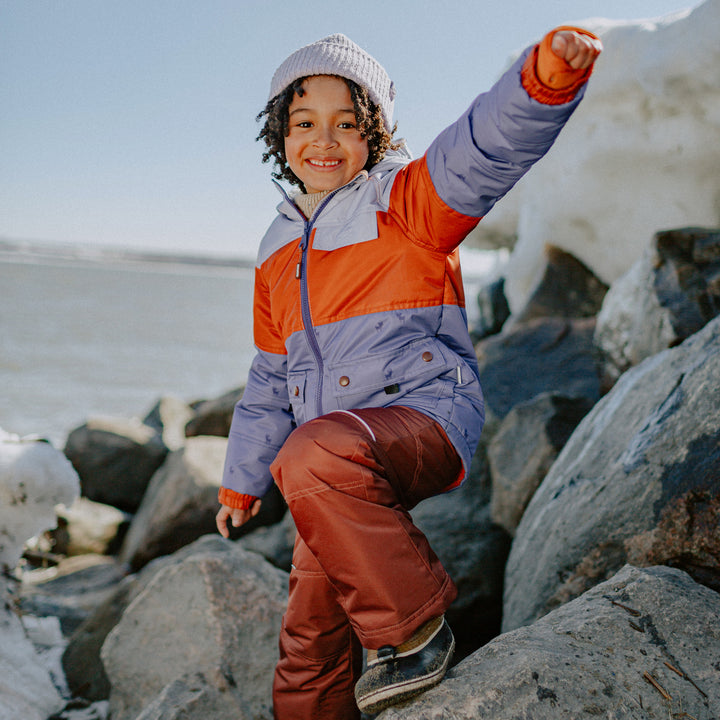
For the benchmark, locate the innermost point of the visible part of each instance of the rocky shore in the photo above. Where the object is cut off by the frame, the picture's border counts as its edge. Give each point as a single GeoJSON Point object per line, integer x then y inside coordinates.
{"type": "Point", "coordinates": [585, 544]}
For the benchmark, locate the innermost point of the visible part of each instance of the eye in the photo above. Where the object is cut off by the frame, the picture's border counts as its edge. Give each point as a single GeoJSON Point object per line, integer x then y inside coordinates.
{"type": "Point", "coordinates": [347, 126]}
{"type": "Point", "coordinates": [304, 124]}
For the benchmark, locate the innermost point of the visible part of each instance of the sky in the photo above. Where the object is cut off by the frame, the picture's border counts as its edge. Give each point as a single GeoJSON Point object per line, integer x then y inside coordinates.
{"type": "Point", "coordinates": [131, 123]}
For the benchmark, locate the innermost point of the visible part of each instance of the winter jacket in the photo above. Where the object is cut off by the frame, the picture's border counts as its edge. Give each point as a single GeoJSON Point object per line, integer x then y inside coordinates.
{"type": "Point", "coordinates": [362, 304]}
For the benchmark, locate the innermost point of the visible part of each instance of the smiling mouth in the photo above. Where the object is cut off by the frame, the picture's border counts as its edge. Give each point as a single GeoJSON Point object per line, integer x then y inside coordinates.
{"type": "Point", "coordinates": [324, 163]}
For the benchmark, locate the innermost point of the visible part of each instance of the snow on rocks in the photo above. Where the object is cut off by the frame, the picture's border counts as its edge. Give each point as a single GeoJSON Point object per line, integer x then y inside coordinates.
{"type": "Point", "coordinates": [640, 154]}
{"type": "Point", "coordinates": [34, 478]}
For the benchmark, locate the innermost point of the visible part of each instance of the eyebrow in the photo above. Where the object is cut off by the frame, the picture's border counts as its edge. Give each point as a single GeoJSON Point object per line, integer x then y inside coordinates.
{"type": "Point", "coordinates": [304, 109]}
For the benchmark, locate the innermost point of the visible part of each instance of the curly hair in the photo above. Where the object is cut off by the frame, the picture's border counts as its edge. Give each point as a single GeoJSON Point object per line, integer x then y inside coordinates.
{"type": "Point", "coordinates": [368, 117]}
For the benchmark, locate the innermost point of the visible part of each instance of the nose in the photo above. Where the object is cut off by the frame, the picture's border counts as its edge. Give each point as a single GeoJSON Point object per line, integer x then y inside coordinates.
{"type": "Point", "coordinates": [324, 137]}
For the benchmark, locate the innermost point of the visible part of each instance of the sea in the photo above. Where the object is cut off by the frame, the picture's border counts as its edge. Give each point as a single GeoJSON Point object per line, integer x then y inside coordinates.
{"type": "Point", "coordinates": [82, 337]}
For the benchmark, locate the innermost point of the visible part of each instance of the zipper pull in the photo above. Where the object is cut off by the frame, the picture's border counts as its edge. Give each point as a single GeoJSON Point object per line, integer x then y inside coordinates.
{"type": "Point", "coordinates": [298, 266]}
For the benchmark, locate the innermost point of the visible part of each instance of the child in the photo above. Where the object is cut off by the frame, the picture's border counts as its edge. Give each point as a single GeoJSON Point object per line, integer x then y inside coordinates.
{"type": "Point", "coordinates": [364, 398]}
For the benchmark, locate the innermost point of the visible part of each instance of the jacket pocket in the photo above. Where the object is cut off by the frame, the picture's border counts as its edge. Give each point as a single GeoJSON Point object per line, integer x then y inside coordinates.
{"type": "Point", "coordinates": [377, 380]}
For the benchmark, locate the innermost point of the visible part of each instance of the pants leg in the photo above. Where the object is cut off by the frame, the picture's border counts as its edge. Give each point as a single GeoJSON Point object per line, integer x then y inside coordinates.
{"type": "Point", "coordinates": [349, 480]}
{"type": "Point", "coordinates": [320, 655]}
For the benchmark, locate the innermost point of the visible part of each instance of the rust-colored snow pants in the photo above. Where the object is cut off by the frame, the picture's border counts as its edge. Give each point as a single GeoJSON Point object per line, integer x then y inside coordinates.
{"type": "Point", "coordinates": [363, 575]}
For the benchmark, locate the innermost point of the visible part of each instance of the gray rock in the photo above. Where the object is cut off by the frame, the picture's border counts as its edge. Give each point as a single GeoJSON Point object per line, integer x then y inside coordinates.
{"type": "Point", "coordinates": [543, 355]}
{"type": "Point", "coordinates": [642, 462]}
{"type": "Point", "coordinates": [213, 417]}
{"type": "Point", "coordinates": [642, 645]}
{"type": "Point", "coordinates": [81, 661]}
{"type": "Point", "coordinates": [493, 308]}
{"type": "Point", "coordinates": [169, 417]}
{"type": "Point", "coordinates": [525, 446]}
{"type": "Point", "coordinates": [88, 527]}
{"type": "Point", "coordinates": [115, 459]}
{"type": "Point", "coordinates": [194, 698]}
{"type": "Point", "coordinates": [181, 503]}
{"type": "Point", "coordinates": [72, 590]}
{"type": "Point", "coordinates": [219, 611]}
{"type": "Point", "coordinates": [565, 288]}
{"type": "Point", "coordinates": [274, 542]}
{"type": "Point", "coordinates": [687, 279]}
{"type": "Point", "coordinates": [672, 291]}
{"type": "Point", "coordinates": [84, 671]}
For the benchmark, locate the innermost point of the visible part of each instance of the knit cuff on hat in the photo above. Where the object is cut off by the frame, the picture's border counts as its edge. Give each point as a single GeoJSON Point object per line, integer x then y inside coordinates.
{"type": "Point", "coordinates": [548, 78]}
{"type": "Point", "coordinates": [235, 500]}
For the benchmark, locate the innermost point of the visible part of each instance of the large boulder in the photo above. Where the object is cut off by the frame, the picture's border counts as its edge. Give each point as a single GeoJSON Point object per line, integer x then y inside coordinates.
{"type": "Point", "coordinates": [524, 448]}
{"type": "Point", "coordinates": [70, 591]}
{"type": "Point", "coordinates": [213, 417]}
{"type": "Point", "coordinates": [667, 295]}
{"type": "Point", "coordinates": [274, 542]}
{"type": "Point", "coordinates": [194, 697]}
{"type": "Point", "coordinates": [564, 287]}
{"type": "Point", "coordinates": [169, 416]}
{"type": "Point", "coordinates": [81, 661]}
{"type": "Point", "coordinates": [642, 645]}
{"type": "Point", "coordinates": [181, 503]}
{"type": "Point", "coordinates": [539, 356]}
{"type": "Point", "coordinates": [115, 459]}
{"type": "Point", "coordinates": [640, 153]}
{"type": "Point", "coordinates": [216, 612]}
{"type": "Point", "coordinates": [493, 309]}
{"type": "Point", "coordinates": [88, 527]}
{"type": "Point", "coordinates": [639, 477]}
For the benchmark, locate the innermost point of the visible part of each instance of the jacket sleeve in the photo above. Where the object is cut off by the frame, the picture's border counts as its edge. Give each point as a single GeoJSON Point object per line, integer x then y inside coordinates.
{"type": "Point", "coordinates": [262, 419]}
{"type": "Point", "coordinates": [481, 156]}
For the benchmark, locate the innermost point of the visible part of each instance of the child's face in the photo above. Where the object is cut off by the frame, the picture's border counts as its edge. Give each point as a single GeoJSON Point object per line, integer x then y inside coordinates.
{"type": "Point", "coordinates": [324, 148]}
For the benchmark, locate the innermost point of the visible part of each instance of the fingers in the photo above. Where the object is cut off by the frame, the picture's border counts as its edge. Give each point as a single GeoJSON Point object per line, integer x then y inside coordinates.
{"type": "Point", "coordinates": [236, 516]}
{"type": "Point", "coordinates": [255, 509]}
{"type": "Point", "coordinates": [221, 521]}
{"type": "Point", "coordinates": [579, 51]}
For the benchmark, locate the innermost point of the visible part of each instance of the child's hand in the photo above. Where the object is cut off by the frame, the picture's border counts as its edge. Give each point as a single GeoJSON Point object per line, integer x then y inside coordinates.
{"type": "Point", "coordinates": [577, 50]}
{"type": "Point", "coordinates": [236, 516]}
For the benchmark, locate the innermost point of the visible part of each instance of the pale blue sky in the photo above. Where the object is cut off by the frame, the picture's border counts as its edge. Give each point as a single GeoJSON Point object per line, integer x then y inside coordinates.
{"type": "Point", "coordinates": [132, 122]}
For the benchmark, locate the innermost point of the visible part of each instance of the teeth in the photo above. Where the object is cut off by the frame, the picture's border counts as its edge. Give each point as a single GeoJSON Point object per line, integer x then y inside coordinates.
{"type": "Point", "coordinates": [324, 163]}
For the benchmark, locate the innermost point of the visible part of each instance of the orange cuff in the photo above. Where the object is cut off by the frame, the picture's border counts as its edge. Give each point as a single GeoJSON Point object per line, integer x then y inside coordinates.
{"type": "Point", "coordinates": [235, 500]}
{"type": "Point", "coordinates": [548, 78]}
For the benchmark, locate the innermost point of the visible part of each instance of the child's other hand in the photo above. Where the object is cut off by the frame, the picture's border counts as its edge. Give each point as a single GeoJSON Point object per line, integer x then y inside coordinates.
{"type": "Point", "coordinates": [577, 50]}
{"type": "Point", "coordinates": [236, 516]}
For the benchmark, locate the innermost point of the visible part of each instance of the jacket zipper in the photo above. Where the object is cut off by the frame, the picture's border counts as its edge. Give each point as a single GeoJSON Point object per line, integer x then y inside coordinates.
{"type": "Point", "coordinates": [301, 274]}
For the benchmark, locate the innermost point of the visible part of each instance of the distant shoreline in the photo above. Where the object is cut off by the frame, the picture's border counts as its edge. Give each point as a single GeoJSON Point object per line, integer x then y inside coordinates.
{"type": "Point", "coordinates": [84, 253]}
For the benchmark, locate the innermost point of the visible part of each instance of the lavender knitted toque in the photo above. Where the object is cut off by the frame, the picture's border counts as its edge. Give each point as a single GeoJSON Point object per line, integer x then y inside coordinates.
{"type": "Point", "coordinates": [338, 55]}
